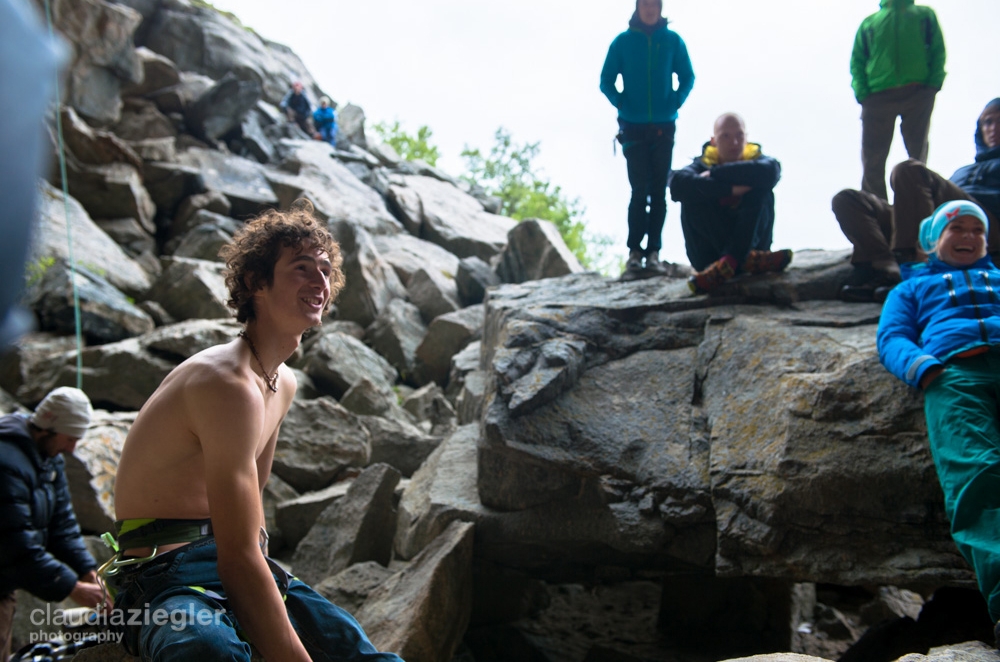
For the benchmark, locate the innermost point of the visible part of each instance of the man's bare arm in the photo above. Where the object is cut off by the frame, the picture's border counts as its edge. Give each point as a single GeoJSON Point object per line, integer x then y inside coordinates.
{"type": "Point", "coordinates": [229, 419]}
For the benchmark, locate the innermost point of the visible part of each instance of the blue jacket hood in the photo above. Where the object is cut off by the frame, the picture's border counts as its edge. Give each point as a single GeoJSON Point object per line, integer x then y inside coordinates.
{"type": "Point", "coordinates": [982, 151]}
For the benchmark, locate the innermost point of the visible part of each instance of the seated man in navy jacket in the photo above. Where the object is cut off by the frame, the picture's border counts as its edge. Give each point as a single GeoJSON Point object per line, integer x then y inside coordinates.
{"type": "Point", "coordinates": [41, 550]}
{"type": "Point", "coordinates": [885, 236]}
{"type": "Point", "coordinates": [727, 207]}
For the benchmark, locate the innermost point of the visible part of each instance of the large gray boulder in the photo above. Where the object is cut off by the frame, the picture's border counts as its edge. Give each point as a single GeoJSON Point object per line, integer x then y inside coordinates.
{"type": "Point", "coordinates": [750, 441]}
{"type": "Point", "coordinates": [108, 191]}
{"type": "Point", "coordinates": [354, 529]}
{"type": "Point", "coordinates": [450, 218]}
{"type": "Point", "coordinates": [141, 120]}
{"type": "Point", "coordinates": [432, 293]}
{"type": "Point", "coordinates": [102, 370]}
{"type": "Point", "coordinates": [106, 315]}
{"type": "Point", "coordinates": [350, 587]}
{"type": "Point", "coordinates": [423, 611]}
{"type": "Point", "coordinates": [371, 282]}
{"type": "Point", "coordinates": [94, 146]}
{"type": "Point", "coordinates": [337, 361]}
{"type": "Point", "coordinates": [209, 42]}
{"type": "Point", "coordinates": [169, 182]}
{"type": "Point", "coordinates": [441, 491]}
{"type": "Point", "coordinates": [222, 107]}
{"type": "Point", "coordinates": [407, 254]}
{"type": "Point", "coordinates": [318, 440]}
{"type": "Point", "coordinates": [91, 468]}
{"type": "Point", "coordinates": [336, 193]}
{"type": "Point", "coordinates": [241, 180]}
{"type": "Point", "coordinates": [395, 335]}
{"type": "Point", "coordinates": [100, 34]}
{"type": "Point", "coordinates": [158, 72]}
{"type": "Point", "coordinates": [446, 336]}
{"type": "Point", "coordinates": [535, 250]}
{"type": "Point", "coordinates": [190, 288]}
{"type": "Point", "coordinates": [473, 278]}
{"type": "Point", "coordinates": [297, 515]}
{"type": "Point", "coordinates": [399, 443]}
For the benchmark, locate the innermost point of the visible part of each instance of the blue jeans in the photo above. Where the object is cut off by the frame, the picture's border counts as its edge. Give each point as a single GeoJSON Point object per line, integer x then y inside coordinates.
{"type": "Point", "coordinates": [182, 614]}
{"type": "Point", "coordinates": [329, 133]}
{"type": "Point", "coordinates": [648, 150]}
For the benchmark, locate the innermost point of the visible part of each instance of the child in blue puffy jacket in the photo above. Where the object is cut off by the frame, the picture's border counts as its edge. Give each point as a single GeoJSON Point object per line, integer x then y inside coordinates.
{"type": "Point", "coordinates": [940, 332]}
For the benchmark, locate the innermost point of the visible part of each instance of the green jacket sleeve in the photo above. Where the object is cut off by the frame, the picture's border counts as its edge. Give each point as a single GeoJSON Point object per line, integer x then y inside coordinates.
{"type": "Point", "coordinates": [936, 56]}
{"type": "Point", "coordinates": [859, 65]}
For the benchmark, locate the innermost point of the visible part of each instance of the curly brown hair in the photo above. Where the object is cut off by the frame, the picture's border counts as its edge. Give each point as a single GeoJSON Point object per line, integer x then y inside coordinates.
{"type": "Point", "coordinates": [251, 256]}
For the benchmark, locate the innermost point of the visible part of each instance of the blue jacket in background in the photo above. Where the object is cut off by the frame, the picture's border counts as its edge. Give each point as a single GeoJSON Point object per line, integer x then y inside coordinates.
{"type": "Point", "coordinates": [647, 64]}
{"type": "Point", "coordinates": [981, 179]}
{"type": "Point", "coordinates": [324, 118]}
{"type": "Point", "coordinates": [41, 550]}
{"type": "Point", "coordinates": [936, 312]}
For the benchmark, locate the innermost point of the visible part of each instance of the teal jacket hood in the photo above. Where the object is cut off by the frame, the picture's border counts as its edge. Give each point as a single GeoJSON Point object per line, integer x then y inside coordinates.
{"type": "Point", "coordinates": [895, 4]}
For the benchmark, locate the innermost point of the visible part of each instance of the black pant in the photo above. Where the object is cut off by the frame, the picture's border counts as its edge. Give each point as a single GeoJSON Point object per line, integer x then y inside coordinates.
{"type": "Point", "coordinates": [648, 150]}
{"type": "Point", "coordinates": [711, 232]}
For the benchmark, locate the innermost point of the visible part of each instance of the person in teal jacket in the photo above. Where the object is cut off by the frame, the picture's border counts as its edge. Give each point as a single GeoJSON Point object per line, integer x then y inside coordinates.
{"type": "Point", "coordinates": [647, 56]}
{"type": "Point", "coordinates": [897, 67]}
{"type": "Point", "coordinates": [940, 331]}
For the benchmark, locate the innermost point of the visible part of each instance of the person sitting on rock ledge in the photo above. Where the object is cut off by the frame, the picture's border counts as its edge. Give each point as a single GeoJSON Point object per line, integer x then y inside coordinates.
{"type": "Point", "coordinates": [885, 236]}
{"type": "Point", "coordinates": [41, 550]}
{"type": "Point", "coordinates": [298, 109]}
{"type": "Point", "coordinates": [940, 331]}
{"type": "Point", "coordinates": [727, 207]}
{"type": "Point", "coordinates": [192, 547]}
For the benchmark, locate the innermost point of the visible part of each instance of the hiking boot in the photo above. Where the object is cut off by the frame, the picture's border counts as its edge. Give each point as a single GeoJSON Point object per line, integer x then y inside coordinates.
{"type": "Point", "coordinates": [713, 276]}
{"type": "Point", "coordinates": [653, 263]}
{"type": "Point", "coordinates": [633, 267]}
{"type": "Point", "coordinates": [866, 284]}
{"type": "Point", "coordinates": [634, 262]}
{"type": "Point", "coordinates": [761, 262]}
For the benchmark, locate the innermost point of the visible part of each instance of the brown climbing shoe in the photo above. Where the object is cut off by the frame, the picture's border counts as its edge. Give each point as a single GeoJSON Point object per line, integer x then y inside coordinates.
{"type": "Point", "coordinates": [762, 262]}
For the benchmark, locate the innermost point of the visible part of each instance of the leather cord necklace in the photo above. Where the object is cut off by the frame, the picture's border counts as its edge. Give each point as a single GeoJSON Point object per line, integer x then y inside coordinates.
{"type": "Point", "coordinates": [270, 380]}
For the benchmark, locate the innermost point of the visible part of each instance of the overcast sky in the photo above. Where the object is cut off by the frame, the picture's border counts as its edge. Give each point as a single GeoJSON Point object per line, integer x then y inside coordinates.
{"type": "Point", "coordinates": [466, 67]}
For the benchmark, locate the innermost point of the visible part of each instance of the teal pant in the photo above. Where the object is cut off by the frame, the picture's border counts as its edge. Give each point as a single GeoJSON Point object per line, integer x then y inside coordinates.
{"type": "Point", "coordinates": [961, 407]}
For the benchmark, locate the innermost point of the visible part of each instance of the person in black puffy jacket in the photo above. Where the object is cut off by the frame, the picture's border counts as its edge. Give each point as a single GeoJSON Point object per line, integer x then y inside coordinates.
{"type": "Point", "coordinates": [885, 236]}
{"type": "Point", "coordinates": [41, 550]}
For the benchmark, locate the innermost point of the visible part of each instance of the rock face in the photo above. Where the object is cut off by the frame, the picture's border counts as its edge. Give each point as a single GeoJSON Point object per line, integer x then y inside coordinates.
{"type": "Point", "coordinates": [450, 218]}
{"type": "Point", "coordinates": [354, 529]}
{"type": "Point", "coordinates": [597, 470]}
{"type": "Point", "coordinates": [422, 612]}
{"type": "Point", "coordinates": [664, 427]}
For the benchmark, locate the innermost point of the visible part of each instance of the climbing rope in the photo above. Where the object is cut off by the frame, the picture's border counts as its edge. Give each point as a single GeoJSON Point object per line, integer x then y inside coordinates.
{"type": "Point", "coordinates": [69, 231]}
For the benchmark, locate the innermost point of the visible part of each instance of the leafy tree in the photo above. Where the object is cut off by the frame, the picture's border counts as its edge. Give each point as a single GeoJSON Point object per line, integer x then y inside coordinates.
{"type": "Point", "coordinates": [408, 146]}
{"type": "Point", "coordinates": [508, 173]}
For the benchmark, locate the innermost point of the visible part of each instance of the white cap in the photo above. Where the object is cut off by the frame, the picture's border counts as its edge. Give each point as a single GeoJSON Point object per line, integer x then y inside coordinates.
{"type": "Point", "coordinates": [65, 410]}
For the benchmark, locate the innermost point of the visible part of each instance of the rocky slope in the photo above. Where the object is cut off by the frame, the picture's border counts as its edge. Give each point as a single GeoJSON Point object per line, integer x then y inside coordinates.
{"type": "Point", "coordinates": [493, 455]}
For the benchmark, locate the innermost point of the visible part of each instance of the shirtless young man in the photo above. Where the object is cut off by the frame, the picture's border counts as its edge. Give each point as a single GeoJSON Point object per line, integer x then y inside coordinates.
{"type": "Point", "coordinates": [201, 449]}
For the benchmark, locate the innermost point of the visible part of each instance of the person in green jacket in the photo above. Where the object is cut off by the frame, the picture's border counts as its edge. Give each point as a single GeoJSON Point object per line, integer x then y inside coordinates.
{"type": "Point", "coordinates": [897, 67]}
{"type": "Point", "coordinates": [647, 56]}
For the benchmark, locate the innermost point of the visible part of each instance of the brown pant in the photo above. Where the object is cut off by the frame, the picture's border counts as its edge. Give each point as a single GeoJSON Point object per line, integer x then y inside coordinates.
{"type": "Point", "coordinates": [877, 229]}
{"type": "Point", "coordinates": [7, 604]}
{"type": "Point", "coordinates": [913, 104]}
